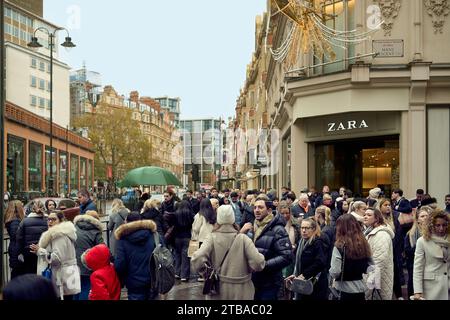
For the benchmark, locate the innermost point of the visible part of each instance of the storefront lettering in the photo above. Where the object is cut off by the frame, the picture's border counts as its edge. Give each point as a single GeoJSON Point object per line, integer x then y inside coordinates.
{"type": "Point", "coordinates": [349, 125]}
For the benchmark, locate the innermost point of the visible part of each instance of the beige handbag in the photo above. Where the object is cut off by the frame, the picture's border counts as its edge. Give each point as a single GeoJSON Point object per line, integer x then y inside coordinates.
{"type": "Point", "coordinates": [194, 245]}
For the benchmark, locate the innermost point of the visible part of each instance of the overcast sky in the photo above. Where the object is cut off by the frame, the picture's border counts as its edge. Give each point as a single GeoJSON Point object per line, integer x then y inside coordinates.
{"type": "Point", "coordinates": [197, 50]}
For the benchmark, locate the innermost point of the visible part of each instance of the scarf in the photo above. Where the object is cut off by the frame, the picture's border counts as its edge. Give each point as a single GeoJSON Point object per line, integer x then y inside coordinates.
{"type": "Point", "coordinates": [260, 225]}
{"type": "Point", "coordinates": [444, 243]}
{"type": "Point", "coordinates": [298, 256]}
{"type": "Point", "coordinates": [367, 231]}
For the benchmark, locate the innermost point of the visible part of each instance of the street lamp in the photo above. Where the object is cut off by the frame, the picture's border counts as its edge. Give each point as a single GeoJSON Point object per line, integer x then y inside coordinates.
{"type": "Point", "coordinates": [35, 44]}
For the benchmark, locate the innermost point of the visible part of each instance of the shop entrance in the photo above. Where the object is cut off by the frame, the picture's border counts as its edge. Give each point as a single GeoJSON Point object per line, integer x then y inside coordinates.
{"type": "Point", "coordinates": [359, 165]}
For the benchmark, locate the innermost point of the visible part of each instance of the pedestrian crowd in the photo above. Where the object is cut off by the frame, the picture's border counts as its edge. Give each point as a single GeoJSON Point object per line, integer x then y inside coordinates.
{"type": "Point", "coordinates": [317, 246]}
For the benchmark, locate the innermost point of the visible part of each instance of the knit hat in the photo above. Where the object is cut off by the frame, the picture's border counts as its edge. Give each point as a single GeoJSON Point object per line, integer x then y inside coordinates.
{"type": "Point", "coordinates": [225, 215]}
{"type": "Point", "coordinates": [375, 193]}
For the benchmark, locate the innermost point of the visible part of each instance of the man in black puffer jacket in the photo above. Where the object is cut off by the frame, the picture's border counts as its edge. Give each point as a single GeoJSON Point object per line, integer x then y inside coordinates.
{"type": "Point", "coordinates": [271, 240]}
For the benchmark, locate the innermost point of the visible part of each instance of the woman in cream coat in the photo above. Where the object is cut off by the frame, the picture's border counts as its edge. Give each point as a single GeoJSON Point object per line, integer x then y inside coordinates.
{"type": "Point", "coordinates": [56, 248]}
{"type": "Point", "coordinates": [379, 235]}
{"type": "Point", "coordinates": [243, 258]}
{"type": "Point", "coordinates": [431, 279]}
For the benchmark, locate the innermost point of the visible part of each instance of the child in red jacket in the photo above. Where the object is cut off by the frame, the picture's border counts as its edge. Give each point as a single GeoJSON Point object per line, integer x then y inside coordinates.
{"type": "Point", "coordinates": [105, 284]}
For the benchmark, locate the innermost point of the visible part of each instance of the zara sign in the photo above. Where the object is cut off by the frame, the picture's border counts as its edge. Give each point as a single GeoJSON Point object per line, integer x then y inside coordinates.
{"type": "Point", "coordinates": [348, 125]}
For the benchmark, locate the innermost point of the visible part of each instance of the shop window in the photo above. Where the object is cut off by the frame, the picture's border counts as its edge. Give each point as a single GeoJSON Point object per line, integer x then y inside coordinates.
{"type": "Point", "coordinates": [63, 183]}
{"type": "Point", "coordinates": [47, 168]}
{"type": "Point", "coordinates": [83, 167]}
{"type": "Point", "coordinates": [34, 166]}
{"type": "Point", "coordinates": [16, 164]}
{"type": "Point", "coordinates": [74, 175]}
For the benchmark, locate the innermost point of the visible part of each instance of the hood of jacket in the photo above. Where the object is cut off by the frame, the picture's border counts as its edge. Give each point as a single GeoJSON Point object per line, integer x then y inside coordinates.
{"type": "Point", "coordinates": [382, 228]}
{"type": "Point", "coordinates": [35, 215]}
{"type": "Point", "coordinates": [97, 257]}
{"type": "Point", "coordinates": [137, 231]}
{"type": "Point", "coordinates": [86, 222]}
{"type": "Point", "coordinates": [65, 228]}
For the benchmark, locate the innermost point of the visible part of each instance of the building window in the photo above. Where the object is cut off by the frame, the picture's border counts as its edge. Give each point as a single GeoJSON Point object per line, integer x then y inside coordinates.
{"type": "Point", "coordinates": [15, 32]}
{"type": "Point", "coordinates": [33, 101]}
{"type": "Point", "coordinates": [63, 185]}
{"type": "Point", "coordinates": [35, 166]}
{"type": "Point", "coordinates": [42, 65]}
{"type": "Point", "coordinates": [48, 86]}
{"type": "Point", "coordinates": [33, 81]}
{"type": "Point", "coordinates": [340, 16]}
{"type": "Point", "coordinates": [33, 63]}
{"type": "Point", "coordinates": [47, 167]}
{"type": "Point", "coordinates": [41, 84]}
{"type": "Point", "coordinates": [15, 15]}
{"type": "Point", "coordinates": [16, 152]}
{"type": "Point", "coordinates": [41, 102]}
{"type": "Point", "coordinates": [23, 19]}
{"type": "Point", "coordinates": [8, 28]}
{"type": "Point", "coordinates": [48, 103]}
{"type": "Point", "coordinates": [8, 12]}
{"type": "Point", "coordinates": [74, 176]}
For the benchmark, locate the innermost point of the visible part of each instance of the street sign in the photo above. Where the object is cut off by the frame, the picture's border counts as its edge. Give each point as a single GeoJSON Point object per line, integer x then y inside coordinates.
{"type": "Point", "coordinates": [224, 174]}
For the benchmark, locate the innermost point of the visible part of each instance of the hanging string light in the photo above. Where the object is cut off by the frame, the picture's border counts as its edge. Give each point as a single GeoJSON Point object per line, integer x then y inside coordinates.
{"type": "Point", "coordinates": [309, 32]}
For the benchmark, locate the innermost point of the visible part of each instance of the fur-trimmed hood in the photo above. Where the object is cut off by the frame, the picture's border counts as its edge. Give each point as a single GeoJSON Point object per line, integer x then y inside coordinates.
{"type": "Point", "coordinates": [86, 222]}
{"type": "Point", "coordinates": [62, 229]}
{"type": "Point", "coordinates": [129, 228]}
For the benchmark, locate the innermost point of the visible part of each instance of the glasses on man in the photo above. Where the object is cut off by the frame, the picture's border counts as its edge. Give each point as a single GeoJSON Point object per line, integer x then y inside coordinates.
{"type": "Point", "coordinates": [52, 219]}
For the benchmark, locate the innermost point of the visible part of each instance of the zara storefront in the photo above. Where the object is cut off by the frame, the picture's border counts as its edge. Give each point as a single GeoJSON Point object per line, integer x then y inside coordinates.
{"type": "Point", "coordinates": [371, 126]}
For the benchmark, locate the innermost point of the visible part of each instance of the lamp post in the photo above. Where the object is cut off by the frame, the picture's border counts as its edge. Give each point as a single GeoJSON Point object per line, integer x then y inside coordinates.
{"type": "Point", "coordinates": [51, 42]}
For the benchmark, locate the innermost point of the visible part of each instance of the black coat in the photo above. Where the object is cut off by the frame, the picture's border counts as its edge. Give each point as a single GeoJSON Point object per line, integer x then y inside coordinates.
{"type": "Point", "coordinates": [276, 247]}
{"type": "Point", "coordinates": [134, 247]}
{"type": "Point", "coordinates": [195, 205]}
{"type": "Point", "coordinates": [13, 249]}
{"type": "Point", "coordinates": [155, 215]}
{"type": "Point", "coordinates": [89, 234]}
{"type": "Point", "coordinates": [248, 215]}
{"type": "Point", "coordinates": [328, 236]}
{"type": "Point", "coordinates": [313, 261]}
{"type": "Point", "coordinates": [28, 233]}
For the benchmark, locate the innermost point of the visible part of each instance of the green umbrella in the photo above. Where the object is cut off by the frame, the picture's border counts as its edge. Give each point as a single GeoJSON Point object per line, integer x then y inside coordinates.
{"type": "Point", "coordinates": [150, 176]}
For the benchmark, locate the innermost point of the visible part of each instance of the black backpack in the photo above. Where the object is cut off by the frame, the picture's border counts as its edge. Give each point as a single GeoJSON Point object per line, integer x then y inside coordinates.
{"type": "Point", "coordinates": [162, 270]}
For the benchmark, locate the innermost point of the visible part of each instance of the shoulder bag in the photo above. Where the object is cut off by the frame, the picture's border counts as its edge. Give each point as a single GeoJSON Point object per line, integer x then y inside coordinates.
{"type": "Point", "coordinates": [212, 280]}
{"type": "Point", "coordinates": [334, 293]}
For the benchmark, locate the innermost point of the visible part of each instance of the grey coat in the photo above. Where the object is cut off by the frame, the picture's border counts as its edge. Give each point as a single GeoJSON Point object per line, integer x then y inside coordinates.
{"type": "Point", "coordinates": [89, 234]}
{"type": "Point", "coordinates": [236, 271]}
{"type": "Point", "coordinates": [116, 219]}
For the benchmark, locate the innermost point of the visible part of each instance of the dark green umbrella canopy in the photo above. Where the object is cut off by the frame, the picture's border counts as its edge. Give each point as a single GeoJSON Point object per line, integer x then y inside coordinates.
{"type": "Point", "coordinates": [150, 176]}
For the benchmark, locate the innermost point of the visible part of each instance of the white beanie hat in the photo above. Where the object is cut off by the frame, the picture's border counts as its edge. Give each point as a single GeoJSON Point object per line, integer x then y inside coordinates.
{"type": "Point", "coordinates": [225, 215]}
{"type": "Point", "coordinates": [375, 193]}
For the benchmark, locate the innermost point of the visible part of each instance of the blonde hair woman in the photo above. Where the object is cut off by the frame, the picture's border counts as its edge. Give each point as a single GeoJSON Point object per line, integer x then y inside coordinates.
{"type": "Point", "coordinates": [117, 217]}
{"type": "Point", "coordinates": [420, 218]}
{"type": "Point", "coordinates": [150, 211]}
{"type": "Point", "coordinates": [431, 276]}
{"type": "Point", "coordinates": [311, 261]}
{"type": "Point", "coordinates": [357, 209]}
